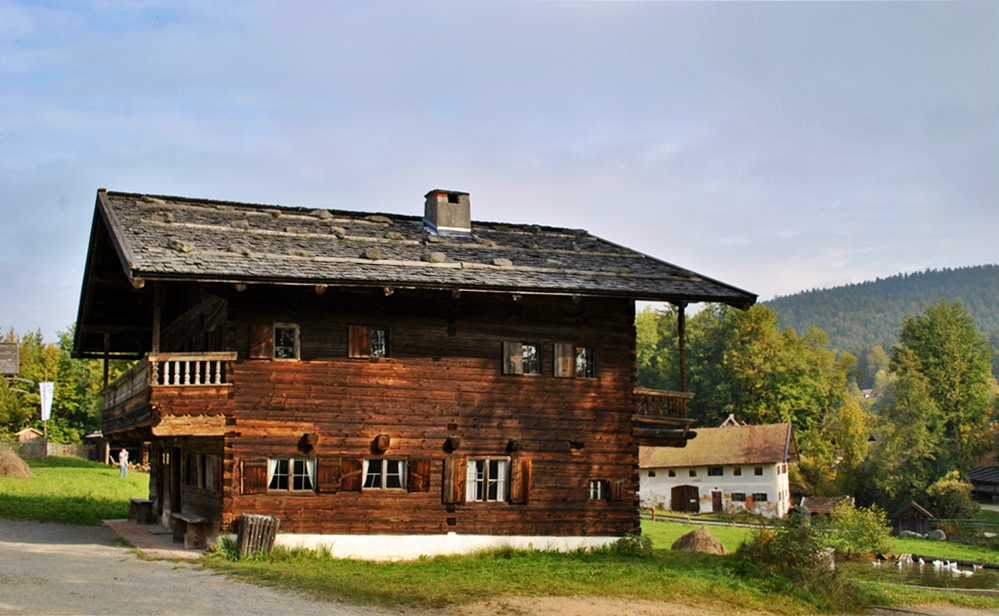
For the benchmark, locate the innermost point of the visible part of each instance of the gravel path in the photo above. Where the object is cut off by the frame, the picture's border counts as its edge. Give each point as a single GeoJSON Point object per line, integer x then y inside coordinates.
{"type": "Point", "coordinates": [62, 569]}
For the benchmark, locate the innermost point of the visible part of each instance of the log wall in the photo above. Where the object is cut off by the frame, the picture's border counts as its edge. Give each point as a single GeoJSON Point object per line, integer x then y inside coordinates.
{"type": "Point", "coordinates": [443, 380]}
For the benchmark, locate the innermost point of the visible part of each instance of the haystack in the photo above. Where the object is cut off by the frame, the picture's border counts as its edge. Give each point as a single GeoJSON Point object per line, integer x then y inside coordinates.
{"type": "Point", "coordinates": [700, 540]}
{"type": "Point", "coordinates": [11, 465]}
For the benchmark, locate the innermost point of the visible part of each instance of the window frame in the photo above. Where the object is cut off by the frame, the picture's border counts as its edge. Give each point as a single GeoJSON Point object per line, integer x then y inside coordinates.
{"type": "Point", "coordinates": [297, 341]}
{"type": "Point", "coordinates": [383, 474]}
{"type": "Point", "coordinates": [692, 472]}
{"type": "Point", "coordinates": [370, 332]}
{"type": "Point", "coordinates": [716, 471]}
{"type": "Point", "coordinates": [590, 370]}
{"type": "Point", "coordinates": [518, 366]}
{"type": "Point", "coordinates": [737, 471]}
{"type": "Point", "coordinates": [472, 482]}
{"type": "Point", "coordinates": [290, 474]}
{"type": "Point", "coordinates": [671, 472]}
{"type": "Point", "coordinates": [598, 486]}
{"type": "Point", "coordinates": [757, 471]}
{"type": "Point", "coordinates": [738, 497]}
{"type": "Point", "coordinates": [757, 495]}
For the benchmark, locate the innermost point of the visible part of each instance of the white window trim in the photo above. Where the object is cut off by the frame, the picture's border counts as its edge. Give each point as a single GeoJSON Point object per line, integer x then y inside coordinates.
{"type": "Point", "coordinates": [310, 470]}
{"type": "Point", "coordinates": [384, 472]}
{"type": "Point", "coordinates": [298, 344]}
{"type": "Point", "coordinates": [472, 480]}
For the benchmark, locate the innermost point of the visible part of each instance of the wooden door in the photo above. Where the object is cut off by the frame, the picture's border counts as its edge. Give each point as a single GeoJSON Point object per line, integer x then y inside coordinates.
{"type": "Point", "coordinates": [716, 502]}
{"type": "Point", "coordinates": [686, 499]}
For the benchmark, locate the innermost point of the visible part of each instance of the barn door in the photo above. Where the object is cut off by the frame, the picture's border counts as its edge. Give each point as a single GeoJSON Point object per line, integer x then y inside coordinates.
{"type": "Point", "coordinates": [716, 502]}
{"type": "Point", "coordinates": [685, 499]}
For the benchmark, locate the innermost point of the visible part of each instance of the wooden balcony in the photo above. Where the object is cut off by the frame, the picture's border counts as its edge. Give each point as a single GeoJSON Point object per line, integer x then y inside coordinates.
{"type": "Point", "coordinates": [661, 418]}
{"type": "Point", "coordinates": [133, 403]}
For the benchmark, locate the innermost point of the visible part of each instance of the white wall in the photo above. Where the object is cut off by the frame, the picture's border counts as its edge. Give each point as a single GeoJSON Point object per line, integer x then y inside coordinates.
{"type": "Point", "coordinates": [407, 547]}
{"type": "Point", "coordinates": [655, 491]}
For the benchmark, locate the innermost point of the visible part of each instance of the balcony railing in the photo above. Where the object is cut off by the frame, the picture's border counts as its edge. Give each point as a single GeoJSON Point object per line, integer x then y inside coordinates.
{"type": "Point", "coordinates": [171, 370]}
{"type": "Point", "coordinates": [657, 404]}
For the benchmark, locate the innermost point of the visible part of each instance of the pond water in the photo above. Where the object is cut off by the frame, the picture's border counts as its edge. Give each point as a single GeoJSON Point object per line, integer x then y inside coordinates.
{"type": "Point", "coordinates": [914, 574]}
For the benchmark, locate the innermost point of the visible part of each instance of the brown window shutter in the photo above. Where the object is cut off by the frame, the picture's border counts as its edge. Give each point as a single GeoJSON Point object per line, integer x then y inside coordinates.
{"type": "Point", "coordinates": [255, 476]}
{"type": "Point", "coordinates": [616, 490]}
{"type": "Point", "coordinates": [419, 475]}
{"type": "Point", "coordinates": [261, 342]}
{"type": "Point", "coordinates": [565, 359]}
{"type": "Point", "coordinates": [454, 481]}
{"type": "Point", "coordinates": [328, 475]}
{"type": "Point", "coordinates": [351, 474]}
{"type": "Point", "coordinates": [359, 341]}
{"type": "Point", "coordinates": [520, 481]}
{"type": "Point", "coordinates": [513, 358]}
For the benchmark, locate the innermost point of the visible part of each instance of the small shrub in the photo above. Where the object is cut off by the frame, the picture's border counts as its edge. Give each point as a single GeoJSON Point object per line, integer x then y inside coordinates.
{"type": "Point", "coordinates": [950, 498]}
{"type": "Point", "coordinates": [859, 531]}
{"type": "Point", "coordinates": [790, 551]}
{"type": "Point", "coordinates": [632, 546]}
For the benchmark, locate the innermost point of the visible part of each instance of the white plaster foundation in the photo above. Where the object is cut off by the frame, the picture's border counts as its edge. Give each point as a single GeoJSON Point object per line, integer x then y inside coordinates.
{"type": "Point", "coordinates": [407, 547]}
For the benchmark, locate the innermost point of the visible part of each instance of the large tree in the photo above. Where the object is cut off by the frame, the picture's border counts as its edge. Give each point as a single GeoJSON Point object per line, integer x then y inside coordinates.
{"type": "Point", "coordinates": [956, 359]}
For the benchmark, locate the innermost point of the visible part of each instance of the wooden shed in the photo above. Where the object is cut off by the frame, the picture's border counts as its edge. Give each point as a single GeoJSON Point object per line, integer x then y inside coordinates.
{"type": "Point", "coordinates": [912, 517]}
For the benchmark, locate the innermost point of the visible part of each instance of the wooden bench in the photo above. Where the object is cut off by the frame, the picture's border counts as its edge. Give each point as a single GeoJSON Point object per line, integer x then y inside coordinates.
{"type": "Point", "coordinates": [141, 511]}
{"type": "Point", "coordinates": [192, 529]}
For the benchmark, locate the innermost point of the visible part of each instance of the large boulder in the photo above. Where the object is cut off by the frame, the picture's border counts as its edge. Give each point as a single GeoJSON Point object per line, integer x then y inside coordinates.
{"type": "Point", "coordinates": [700, 540]}
{"type": "Point", "coordinates": [11, 465]}
{"type": "Point", "coordinates": [938, 535]}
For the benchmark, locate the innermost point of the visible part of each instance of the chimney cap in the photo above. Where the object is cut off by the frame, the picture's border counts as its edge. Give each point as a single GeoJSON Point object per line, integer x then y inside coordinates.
{"type": "Point", "coordinates": [447, 212]}
{"type": "Point", "coordinates": [441, 191]}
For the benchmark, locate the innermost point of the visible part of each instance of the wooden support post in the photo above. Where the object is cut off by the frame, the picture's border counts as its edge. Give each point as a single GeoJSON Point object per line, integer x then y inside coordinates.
{"type": "Point", "coordinates": [107, 352]}
{"type": "Point", "coordinates": [157, 303]}
{"type": "Point", "coordinates": [681, 326]}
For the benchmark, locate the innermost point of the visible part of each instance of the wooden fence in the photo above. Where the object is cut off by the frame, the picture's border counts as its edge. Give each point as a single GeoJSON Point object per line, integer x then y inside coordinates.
{"type": "Point", "coordinates": [37, 448]}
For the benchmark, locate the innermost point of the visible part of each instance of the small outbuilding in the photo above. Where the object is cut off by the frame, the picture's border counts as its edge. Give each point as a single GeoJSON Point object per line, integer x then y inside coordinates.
{"type": "Point", "coordinates": [985, 479]}
{"type": "Point", "coordinates": [28, 434]}
{"type": "Point", "coordinates": [913, 518]}
{"type": "Point", "coordinates": [823, 505]}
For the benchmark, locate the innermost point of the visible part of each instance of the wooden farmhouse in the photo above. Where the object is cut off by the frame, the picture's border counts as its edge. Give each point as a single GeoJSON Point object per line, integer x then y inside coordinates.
{"type": "Point", "coordinates": [730, 469]}
{"type": "Point", "coordinates": [390, 385]}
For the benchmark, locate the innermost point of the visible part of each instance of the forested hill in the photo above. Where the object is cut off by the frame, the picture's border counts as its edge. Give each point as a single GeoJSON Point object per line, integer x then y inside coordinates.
{"type": "Point", "coordinates": [859, 316]}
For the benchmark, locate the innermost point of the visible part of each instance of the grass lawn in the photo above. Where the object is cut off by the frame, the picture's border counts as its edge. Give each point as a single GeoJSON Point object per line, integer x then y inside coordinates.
{"type": "Point", "coordinates": [70, 491]}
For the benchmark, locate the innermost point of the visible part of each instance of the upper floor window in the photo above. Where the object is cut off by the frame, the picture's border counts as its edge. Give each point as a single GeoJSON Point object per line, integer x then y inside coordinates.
{"type": "Point", "coordinates": [521, 358]}
{"type": "Point", "coordinates": [486, 480]}
{"type": "Point", "coordinates": [296, 474]}
{"type": "Point", "coordinates": [692, 472]}
{"type": "Point", "coordinates": [672, 472]}
{"type": "Point", "coordinates": [573, 361]}
{"type": "Point", "coordinates": [285, 341]}
{"type": "Point", "coordinates": [715, 471]}
{"type": "Point", "coordinates": [382, 474]}
{"type": "Point", "coordinates": [758, 471]}
{"type": "Point", "coordinates": [367, 341]}
{"type": "Point", "coordinates": [737, 471]}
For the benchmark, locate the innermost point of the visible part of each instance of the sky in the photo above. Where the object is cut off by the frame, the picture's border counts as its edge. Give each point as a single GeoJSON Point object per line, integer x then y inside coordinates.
{"type": "Point", "coordinates": [776, 146]}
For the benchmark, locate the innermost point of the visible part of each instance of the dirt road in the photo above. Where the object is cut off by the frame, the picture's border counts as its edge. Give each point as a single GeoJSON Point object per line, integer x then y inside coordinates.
{"type": "Point", "coordinates": [60, 569]}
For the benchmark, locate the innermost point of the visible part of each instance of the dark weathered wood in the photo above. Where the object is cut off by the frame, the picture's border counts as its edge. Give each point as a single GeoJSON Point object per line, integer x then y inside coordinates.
{"type": "Point", "coordinates": [352, 477]}
{"type": "Point", "coordinates": [419, 475]}
{"type": "Point", "coordinates": [359, 340]}
{"type": "Point", "coordinates": [513, 357]}
{"type": "Point", "coordinates": [565, 359]}
{"type": "Point", "coordinates": [261, 341]}
{"type": "Point", "coordinates": [328, 475]}
{"type": "Point", "coordinates": [255, 476]}
{"type": "Point", "coordinates": [520, 481]}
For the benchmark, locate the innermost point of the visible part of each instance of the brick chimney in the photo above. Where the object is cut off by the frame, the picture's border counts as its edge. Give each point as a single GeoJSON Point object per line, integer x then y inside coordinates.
{"type": "Point", "coordinates": [448, 212]}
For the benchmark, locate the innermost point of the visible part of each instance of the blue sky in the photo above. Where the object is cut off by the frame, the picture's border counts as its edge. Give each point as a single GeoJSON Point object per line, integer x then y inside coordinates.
{"type": "Point", "coordinates": [778, 146]}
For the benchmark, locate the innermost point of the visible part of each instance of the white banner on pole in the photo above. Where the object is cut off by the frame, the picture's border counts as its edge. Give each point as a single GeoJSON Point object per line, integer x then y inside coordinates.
{"type": "Point", "coordinates": [46, 390]}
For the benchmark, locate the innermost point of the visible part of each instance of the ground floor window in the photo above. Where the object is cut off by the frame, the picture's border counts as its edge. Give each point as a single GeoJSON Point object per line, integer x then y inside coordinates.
{"type": "Point", "coordinates": [382, 474]}
{"type": "Point", "coordinates": [486, 480]}
{"type": "Point", "coordinates": [291, 474]}
{"type": "Point", "coordinates": [760, 497]}
{"type": "Point", "coordinates": [739, 497]}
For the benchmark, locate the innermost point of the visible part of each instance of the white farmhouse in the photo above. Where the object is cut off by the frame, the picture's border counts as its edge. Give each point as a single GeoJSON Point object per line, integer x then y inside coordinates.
{"type": "Point", "coordinates": [724, 470]}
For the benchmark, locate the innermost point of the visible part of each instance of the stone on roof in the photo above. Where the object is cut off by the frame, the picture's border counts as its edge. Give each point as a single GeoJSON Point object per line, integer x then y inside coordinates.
{"type": "Point", "coordinates": [163, 237]}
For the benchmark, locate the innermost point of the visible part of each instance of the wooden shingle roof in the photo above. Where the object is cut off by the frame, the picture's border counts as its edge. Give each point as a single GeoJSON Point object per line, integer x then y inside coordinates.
{"type": "Point", "coordinates": [767, 444]}
{"type": "Point", "coordinates": [175, 238]}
